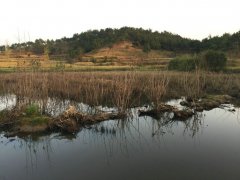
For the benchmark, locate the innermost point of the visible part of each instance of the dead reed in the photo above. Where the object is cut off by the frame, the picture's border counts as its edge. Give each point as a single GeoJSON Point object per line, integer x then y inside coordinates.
{"type": "Point", "coordinates": [119, 89]}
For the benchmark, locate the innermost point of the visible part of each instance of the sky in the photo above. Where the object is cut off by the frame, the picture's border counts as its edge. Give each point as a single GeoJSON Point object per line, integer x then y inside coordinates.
{"type": "Point", "coordinates": [23, 20]}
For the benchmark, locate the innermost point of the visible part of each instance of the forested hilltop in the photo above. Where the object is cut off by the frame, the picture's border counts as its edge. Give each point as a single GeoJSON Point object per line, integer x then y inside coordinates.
{"type": "Point", "coordinates": [145, 39]}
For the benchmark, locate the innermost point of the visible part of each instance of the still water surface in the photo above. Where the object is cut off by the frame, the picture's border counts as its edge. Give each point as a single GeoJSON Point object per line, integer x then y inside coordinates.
{"type": "Point", "coordinates": [206, 147]}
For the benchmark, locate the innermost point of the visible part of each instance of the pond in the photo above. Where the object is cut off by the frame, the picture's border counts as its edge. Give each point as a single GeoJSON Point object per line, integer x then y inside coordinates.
{"type": "Point", "coordinates": [203, 147]}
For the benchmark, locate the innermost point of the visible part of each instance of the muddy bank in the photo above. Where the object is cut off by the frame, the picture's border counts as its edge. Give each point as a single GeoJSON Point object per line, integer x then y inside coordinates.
{"type": "Point", "coordinates": [17, 121]}
{"type": "Point", "coordinates": [71, 120]}
{"type": "Point", "coordinates": [28, 120]}
{"type": "Point", "coordinates": [190, 107]}
{"type": "Point", "coordinates": [163, 108]}
{"type": "Point", "coordinates": [207, 103]}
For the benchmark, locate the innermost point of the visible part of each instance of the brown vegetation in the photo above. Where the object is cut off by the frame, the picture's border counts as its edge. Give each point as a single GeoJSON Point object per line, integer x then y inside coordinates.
{"type": "Point", "coordinates": [121, 90]}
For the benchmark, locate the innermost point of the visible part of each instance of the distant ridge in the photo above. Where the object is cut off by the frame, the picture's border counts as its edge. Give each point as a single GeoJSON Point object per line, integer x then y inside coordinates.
{"type": "Point", "coordinates": [145, 40]}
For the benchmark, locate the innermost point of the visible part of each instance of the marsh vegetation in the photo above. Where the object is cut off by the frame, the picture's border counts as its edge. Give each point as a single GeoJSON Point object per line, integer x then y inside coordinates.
{"type": "Point", "coordinates": [118, 90]}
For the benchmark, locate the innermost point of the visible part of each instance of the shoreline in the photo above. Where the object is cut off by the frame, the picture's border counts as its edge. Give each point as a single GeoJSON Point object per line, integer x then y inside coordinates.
{"type": "Point", "coordinates": [70, 121]}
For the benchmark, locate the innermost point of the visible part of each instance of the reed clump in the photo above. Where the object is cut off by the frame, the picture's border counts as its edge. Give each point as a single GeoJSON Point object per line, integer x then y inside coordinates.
{"type": "Point", "coordinates": [122, 90]}
{"type": "Point", "coordinates": [156, 88]}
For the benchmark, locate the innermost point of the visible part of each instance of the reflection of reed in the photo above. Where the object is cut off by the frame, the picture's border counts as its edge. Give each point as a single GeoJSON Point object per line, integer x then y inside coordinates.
{"type": "Point", "coordinates": [49, 106]}
{"type": "Point", "coordinates": [162, 126]}
{"type": "Point", "coordinates": [115, 138]}
{"type": "Point", "coordinates": [7, 101]}
{"type": "Point", "coordinates": [35, 149]}
{"type": "Point", "coordinates": [238, 114]}
{"type": "Point", "coordinates": [195, 124]}
{"type": "Point", "coordinates": [127, 137]}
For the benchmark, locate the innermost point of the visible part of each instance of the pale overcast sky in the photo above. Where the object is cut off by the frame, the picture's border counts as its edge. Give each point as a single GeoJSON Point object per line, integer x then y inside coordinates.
{"type": "Point", "coordinates": [51, 19]}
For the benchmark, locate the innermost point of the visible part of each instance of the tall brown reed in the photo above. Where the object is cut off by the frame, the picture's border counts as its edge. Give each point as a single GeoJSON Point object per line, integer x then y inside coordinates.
{"type": "Point", "coordinates": [156, 88]}
{"type": "Point", "coordinates": [119, 89]}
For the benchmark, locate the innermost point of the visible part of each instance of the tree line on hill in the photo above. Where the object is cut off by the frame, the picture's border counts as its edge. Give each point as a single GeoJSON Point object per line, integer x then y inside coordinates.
{"type": "Point", "coordinates": [146, 39]}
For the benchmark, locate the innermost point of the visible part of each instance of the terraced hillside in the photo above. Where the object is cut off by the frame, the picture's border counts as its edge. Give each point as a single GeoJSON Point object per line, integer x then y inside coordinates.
{"type": "Point", "coordinates": [120, 56]}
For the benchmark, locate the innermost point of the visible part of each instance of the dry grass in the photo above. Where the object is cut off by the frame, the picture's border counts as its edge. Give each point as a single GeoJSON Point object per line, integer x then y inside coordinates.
{"type": "Point", "coordinates": [126, 49]}
{"type": "Point", "coordinates": [118, 89]}
{"type": "Point", "coordinates": [26, 64]}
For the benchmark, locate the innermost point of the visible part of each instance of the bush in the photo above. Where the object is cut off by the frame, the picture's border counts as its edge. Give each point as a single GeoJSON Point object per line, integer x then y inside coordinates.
{"type": "Point", "coordinates": [210, 60]}
{"type": "Point", "coordinates": [60, 66]}
{"type": "Point", "coordinates": [183, 63]}
{"type": "Point", "coordinates": [213, 61]}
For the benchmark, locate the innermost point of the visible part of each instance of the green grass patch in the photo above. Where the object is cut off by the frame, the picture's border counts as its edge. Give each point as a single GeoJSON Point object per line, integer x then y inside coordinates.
{"type": "Point", "coordinates": [34, 120]}
{"type": "Point", "coordinates": [32, 110]}
{"type": "Point", "coordinates": [33, 117]}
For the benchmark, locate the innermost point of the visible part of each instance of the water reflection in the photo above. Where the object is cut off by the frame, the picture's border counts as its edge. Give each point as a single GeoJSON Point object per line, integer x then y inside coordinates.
{"type": "Point", "coordinates": [116, 136]}
{"type": "Point", "coordinates": [50, 106]}
{"type": "Point", "coordinates": [7, 101]}
{"type": "Point", "coordinates": [135, 148]}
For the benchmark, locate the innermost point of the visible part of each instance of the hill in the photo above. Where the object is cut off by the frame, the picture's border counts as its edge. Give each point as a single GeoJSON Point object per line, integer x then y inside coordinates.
{"type": "Point", "coordinates": [122, 48]}
{"type": "Point", "coordinates": [123, 55]}
{"type": "Point", "coordinates": [126, 53]}
{"type": "Point", "coordinates": [147, 40]}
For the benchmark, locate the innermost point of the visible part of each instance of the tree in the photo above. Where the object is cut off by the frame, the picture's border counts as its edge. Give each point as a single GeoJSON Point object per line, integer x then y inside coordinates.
{"type": "Point", "coordinates": [146, 39]}
{"type": "Point", "coordinates": [146, 48]}
{"type": "Point", "coordinates": [38, 46]}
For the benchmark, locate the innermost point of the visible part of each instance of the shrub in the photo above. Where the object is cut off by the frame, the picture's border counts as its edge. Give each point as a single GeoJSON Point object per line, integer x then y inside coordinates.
{"type": "Point", "coordinates": [213, 61]}
{"type": "Point", "coordinates": [60, 66]}
{"type": "Point", "coordinates": [210, 60]}
{"type": "Point", "coordinates": [182, 63]}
